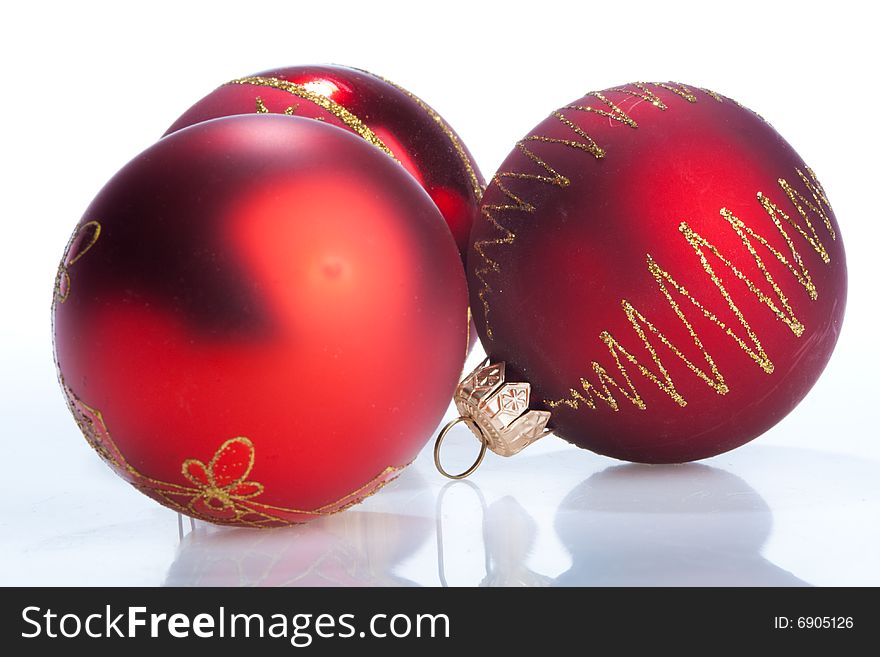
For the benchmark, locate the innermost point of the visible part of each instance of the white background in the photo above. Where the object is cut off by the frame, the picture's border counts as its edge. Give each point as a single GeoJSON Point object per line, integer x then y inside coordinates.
{"type": "Point", "coordinates": [87, 85]}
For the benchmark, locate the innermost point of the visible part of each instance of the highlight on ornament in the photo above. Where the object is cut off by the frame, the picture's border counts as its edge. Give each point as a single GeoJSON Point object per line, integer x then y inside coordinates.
{"type": "Point", "coordinates": [394, 120]}
{"type": "Point", "coordinates": [232, 298]}
{"type": "Point", "coordinates": [661, 268]}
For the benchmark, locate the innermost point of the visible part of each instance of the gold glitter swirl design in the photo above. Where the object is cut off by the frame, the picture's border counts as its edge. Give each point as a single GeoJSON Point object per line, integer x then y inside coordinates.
{"type": "Point", "coordinates": [337, 110]}
{"type": "Point", "coordinates": [711, 93]}
{"type": "Point", "coordinates": [62, 278]}
{"type": "Point", "coordinates": [450, 135]}
{"type": "Point", "coordinates": [91, 423]}
{"type": "Point", "coordinates": [236, 496]}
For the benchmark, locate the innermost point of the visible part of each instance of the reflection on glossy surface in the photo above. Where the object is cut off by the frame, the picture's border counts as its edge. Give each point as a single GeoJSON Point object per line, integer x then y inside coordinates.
{"type": "Point", "coordinates": [509, 533]}
{"type": "Point", "coordinates": [508, 537]}
{"type": "Point", "coordinates": [625, 525]}
{"type": "Point", "coordinates": [764, 515]}
{"type": "Point", "coordinates": [353, 548]}
{"type": "Point", "coordinates": [686, 525]}
{"type": "Point", "coordinates": [349, 549]}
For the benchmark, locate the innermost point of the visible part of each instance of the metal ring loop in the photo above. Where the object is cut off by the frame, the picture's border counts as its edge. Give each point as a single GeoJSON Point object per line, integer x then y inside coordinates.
{"type": "Point", "coordinates": [442, 435]}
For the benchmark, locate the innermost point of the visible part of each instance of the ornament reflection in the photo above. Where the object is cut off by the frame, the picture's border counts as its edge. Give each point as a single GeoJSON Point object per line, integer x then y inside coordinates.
{"type": "Point", "coordinates": [352, 548]}
{"type": "Point", "coordinates": [677, 525]}
{"type": "Point", "coordinates": [508, 535]}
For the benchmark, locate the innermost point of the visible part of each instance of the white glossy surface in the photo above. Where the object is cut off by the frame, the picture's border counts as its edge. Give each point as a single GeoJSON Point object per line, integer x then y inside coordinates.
{"type": "Point", "coordinates": [91, 85]}
{"type": "Point", "coordinates": [554, 515]}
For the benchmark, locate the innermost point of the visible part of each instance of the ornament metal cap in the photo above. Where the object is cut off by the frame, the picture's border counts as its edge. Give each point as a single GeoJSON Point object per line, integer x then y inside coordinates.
{"type": "Point", "coordinates": [496, 412]}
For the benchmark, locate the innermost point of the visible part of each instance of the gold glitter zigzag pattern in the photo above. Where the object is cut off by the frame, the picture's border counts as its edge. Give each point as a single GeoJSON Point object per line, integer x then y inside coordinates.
{"type": "Point", "coordinates": [497, 214]}
{"type": "Point", "coordinates": [814, 203]}
{"type": "Point", "coordinates": [747, 340]}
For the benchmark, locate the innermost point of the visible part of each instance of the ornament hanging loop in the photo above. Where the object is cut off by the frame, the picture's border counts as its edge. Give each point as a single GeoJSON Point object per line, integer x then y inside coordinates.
{"type": "Point", "coordinates": [442, 435]}
{"type": "Point", "coordinates": [496, 412]}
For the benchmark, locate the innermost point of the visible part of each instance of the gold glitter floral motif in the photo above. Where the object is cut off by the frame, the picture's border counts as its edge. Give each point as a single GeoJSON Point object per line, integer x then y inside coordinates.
{"type": "Point", "coordinates": [221, 491]}
{"type": "Point", "coordinates": [83, 239]}
{"type": "Point", "coordinates": [223, 481]}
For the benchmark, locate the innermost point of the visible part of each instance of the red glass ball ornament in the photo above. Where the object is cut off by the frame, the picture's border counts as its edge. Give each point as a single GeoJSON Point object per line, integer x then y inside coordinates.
{"type": "Point", "coordinates": [664, 270]}
{"type": "Point", "coordinates": [384, 114]}
{"type": "Point", "coordinates": [238, 314]}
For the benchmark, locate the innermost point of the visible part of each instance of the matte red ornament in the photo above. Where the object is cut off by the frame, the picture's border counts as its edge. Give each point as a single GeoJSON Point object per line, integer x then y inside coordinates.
{"type": "Point", "coordinates": [384, 114]}
{"type": "Point", "coordinates": [662, 268]}
{"type": "Point", "coordinates": [239, 313]}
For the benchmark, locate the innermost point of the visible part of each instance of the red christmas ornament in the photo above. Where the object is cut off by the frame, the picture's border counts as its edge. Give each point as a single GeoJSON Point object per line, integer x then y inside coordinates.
{"type": "Point", "coordinates": [662, 268]}
{"type": "Point", "coordinates": [236, 308]}
{"type": "Point", "coordinates": [389, 117]}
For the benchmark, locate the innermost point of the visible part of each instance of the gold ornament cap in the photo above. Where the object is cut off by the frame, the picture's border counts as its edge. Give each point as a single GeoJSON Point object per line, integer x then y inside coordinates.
{"type": "Point", "coordinates": [497, 413]}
